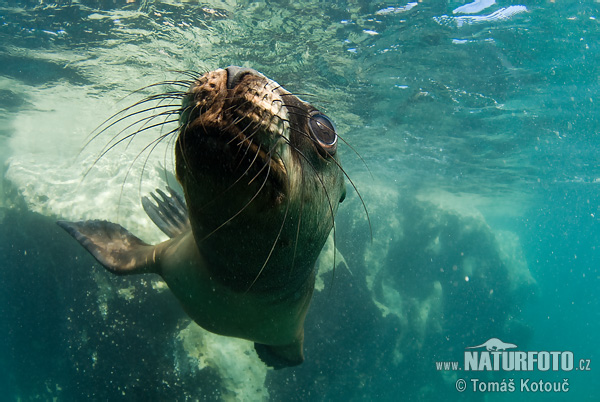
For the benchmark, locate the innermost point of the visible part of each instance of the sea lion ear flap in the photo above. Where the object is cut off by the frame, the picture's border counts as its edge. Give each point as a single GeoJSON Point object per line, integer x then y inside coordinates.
{"type": "Point", "coordinates": [280, 357]}
{"type": "Point", "coordinates": [113, 246]}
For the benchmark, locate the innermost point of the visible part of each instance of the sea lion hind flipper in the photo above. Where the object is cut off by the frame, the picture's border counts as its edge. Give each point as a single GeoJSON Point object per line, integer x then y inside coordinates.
{"type": "Point", "coordinates": [169, 213]}
{"type": "Point", "coordinates": [113, 246]}
{"type": "Point", "coordinates": [280, 357]}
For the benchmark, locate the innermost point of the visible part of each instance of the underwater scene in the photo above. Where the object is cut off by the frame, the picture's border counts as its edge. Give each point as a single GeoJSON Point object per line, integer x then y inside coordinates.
{"type": "Point", "coordinates": [464, 263]}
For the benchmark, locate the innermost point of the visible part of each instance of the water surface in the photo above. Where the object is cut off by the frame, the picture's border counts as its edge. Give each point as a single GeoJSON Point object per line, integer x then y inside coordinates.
{"type": "Point", "coordinates": [476, 125]}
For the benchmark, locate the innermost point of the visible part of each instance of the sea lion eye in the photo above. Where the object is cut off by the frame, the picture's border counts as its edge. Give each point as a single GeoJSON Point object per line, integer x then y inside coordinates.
{"type": "Point", "coordinates": [323, 132]}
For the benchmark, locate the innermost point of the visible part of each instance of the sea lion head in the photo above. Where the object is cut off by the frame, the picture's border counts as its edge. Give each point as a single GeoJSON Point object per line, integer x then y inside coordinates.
{"type": "Point", "coordinates": [250, 154]}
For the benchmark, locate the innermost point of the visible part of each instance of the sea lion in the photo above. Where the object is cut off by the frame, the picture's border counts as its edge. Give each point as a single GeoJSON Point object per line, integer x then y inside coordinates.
{"type": "Point", "coordinates": [262, 182]}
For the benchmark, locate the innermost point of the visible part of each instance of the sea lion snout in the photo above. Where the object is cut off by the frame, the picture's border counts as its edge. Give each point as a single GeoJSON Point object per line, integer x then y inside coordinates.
{"type": "Point", "coordinates": [236, 73]}
{"type": "Point", "coordinates": [234, 120]}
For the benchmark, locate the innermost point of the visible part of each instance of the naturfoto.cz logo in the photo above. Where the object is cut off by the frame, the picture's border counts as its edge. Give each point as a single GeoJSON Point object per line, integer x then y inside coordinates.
{"type": "Point", "coordinates": [495, 355]}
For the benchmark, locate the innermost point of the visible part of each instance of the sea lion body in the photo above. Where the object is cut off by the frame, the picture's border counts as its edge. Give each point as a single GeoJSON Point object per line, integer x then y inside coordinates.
{"type": "Point", "coordinates": [214, 306]}
{"type": "Point", "coordinates": [262, 182]}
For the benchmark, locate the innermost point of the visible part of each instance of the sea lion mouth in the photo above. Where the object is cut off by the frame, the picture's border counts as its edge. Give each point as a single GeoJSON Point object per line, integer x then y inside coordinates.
{"type": "Point", "coordinates": [235, 154]}
{"type": "Point", "coordinates": [234, 119]}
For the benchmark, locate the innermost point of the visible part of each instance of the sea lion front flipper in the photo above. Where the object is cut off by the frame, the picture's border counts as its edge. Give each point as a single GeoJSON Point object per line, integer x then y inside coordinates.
{"type": "Point", "coordinates": [113, 246]}
{"type": "Point", "coordinates": [280, 357]}
{"type": "Point", "coordinates": [169, 213]}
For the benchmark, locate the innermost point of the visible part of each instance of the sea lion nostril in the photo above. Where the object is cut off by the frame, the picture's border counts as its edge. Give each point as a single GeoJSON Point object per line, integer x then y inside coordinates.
{"type": "Point", "coordinates": [236, 73]}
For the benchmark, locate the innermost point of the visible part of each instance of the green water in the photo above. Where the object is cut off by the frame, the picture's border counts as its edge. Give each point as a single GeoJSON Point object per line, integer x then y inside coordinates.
{"type": "Point", "coordinates": [475, 134]}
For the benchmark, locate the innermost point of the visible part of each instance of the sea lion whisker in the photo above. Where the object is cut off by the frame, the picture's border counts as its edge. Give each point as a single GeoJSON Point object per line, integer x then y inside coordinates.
{"type": "Point", "coordinates": [240, 177]}
{"type": "Point", "coordinates": [235, 106]}
{"type": "Point", "coordinates": [240, 135]}
{"type": "Point", "coordinates": [338, 135]}
{"type": "Point", "coordinates": [305, 135]}
{"type": "Point", "coordinates": [251, 135]}
{"type": "Point", "coordinates": [104, 129]}
{"type": "Point", "coordinates": [292, 110]}
{"type": "Point", "coordinates": [181, 140]}
{"type": "Point", "coordinates": [170, 146]}
{"type": "Point", "coordinates": [296, 94]}
{"type": "Point", "coordinates": [319, 177]}
{"type": "Point", "coordinates": [130, 115]}
{"type": "Point", "coordinates": [184, 131]}
{"type": "Point", "coordinates": [158, 98]}
{"type": "Point", "coordinates": [185, 84]}
{"type": "Point", "coordinates": [328, 200]}
{"type": "Point", "coordinates": [154, 144]}
{"type": "Point", "coordinates": [299, 224]}
{"type": "Point", "coordinates": [163, 95]}
{"type": "Point", "coordinates": [241, 117]}
{"type": "Point", "coordinates": [199, 107]}
{"type": "Point", "coordinates": [243, 208]}
{"type": "Point", "coordinates": [249, 142]}
{"type": "Point", "coordinates": [190, 73]}
{"type": "Point", "coordinates": [357, 154]}
{"type": "Point", "coordinates": [243, 139]}
{"type": "Point", "coordinates": [257, 126]}
{"type": "Point", "coordinates": [239, 147]}
{"type": "Point", "coordinates": [288, 93]}
{"type": "Point", "coordinates": [196, 108]}
{"type": "Point", "coordinates": [243, 131]}
{"type": "Point", "coordinates": [351, 182]}
{"type": "Point", "coordinates": [233, 123]}
{"type": "Point", "coordinates": [107, 148]}
{"type": "Point", "coordinates": [275, 88]}
{"type": "Point", "coordinates": [130, 136]}
{"type": "Point", "coordinates": [145, 121]}
{"type": "Point", "coordinates": [357, 193]}
{"type": "Point", "coordinates": [201, 208]}
{"type": "Point", "coordinates": [342, 169]}
{"type": "Point", "coordinates": [156, 140]}
{"type": "Point", "coordinates": [175, 95]}
{"type": "Point", "coordinates": [287, 207]}
{"type": "Point", "coordinates": [345, 174]}
{"type": "Point", "coordinates": [180, 83]}
{"type": "Point", "coordinates": [334, 257]}
{"type": "Point", "coordinates": [298, 108]}
{"type": "Point", "coordinates": [268, 157]}
{"type": "Point", "coordinates": [268, 165]}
